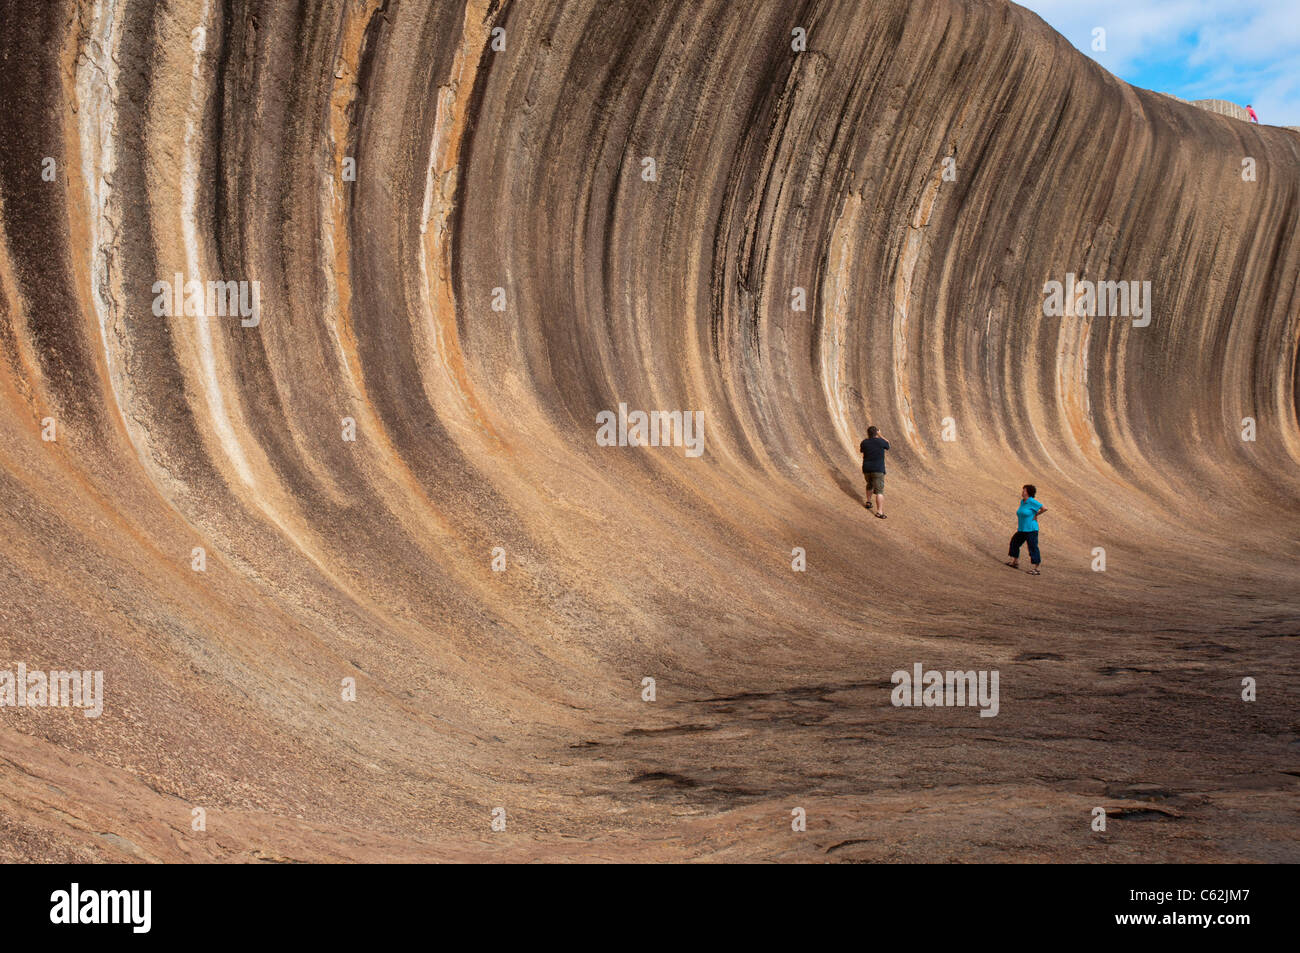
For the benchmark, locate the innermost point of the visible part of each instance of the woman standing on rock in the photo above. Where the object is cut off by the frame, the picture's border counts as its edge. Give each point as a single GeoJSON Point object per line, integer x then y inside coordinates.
{"type": "Point", "coordinates": [1027, 514]}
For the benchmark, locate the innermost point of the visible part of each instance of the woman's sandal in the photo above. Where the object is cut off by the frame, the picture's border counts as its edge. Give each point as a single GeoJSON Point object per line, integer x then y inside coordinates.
{"type": "Point", "coordinates": [1034, 572]}
{"type": "Point", "coordinates": [880, 516]}
{"type": "Point", "coordinates": [1012, 565]}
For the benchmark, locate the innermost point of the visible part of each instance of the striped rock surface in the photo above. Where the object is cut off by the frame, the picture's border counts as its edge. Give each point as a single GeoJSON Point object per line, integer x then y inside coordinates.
{"type": "Point", "coordinates": [475, 227]}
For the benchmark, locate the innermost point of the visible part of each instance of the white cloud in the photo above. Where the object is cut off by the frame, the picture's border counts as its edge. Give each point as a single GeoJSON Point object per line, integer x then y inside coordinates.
{"type": "Point", "coordinates": [1251, 47]}
{"type": "Point", "coordinates": [1133, 28]}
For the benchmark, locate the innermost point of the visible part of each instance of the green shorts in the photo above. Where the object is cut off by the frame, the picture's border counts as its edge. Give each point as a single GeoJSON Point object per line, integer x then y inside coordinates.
{"type": "Point", "coordinates": [875, 482]}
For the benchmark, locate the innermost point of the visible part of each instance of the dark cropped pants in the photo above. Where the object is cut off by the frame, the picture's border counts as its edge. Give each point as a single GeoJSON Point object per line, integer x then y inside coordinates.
{"type": "Point", "coordinates": [1021, 538]}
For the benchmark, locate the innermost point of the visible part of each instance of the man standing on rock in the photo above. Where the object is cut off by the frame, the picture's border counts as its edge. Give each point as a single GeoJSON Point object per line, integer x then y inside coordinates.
{"type": "Point", "coordinates": [873, 468]}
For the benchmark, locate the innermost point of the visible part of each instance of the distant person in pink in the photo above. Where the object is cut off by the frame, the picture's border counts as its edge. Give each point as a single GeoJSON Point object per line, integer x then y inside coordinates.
{"type": "Point", "coordinates": [1250, 111]}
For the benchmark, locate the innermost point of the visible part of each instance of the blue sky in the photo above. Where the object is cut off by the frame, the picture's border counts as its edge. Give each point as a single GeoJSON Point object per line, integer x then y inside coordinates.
{"type": "Point", "coordinates": [1244, 51]}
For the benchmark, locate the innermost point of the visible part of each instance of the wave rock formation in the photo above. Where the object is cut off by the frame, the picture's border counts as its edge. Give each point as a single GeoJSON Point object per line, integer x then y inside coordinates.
{"type": "Point", "coordinates": [466, 230]}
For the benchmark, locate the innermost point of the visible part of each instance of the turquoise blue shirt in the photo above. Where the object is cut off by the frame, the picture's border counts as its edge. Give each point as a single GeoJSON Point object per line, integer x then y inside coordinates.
{"type": "Point", "coordinates": [1025, 514]}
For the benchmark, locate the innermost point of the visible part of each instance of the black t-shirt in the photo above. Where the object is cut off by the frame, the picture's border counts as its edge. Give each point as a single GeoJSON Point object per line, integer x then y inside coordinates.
{"type": "Point", "coordinates": [873, 454]}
